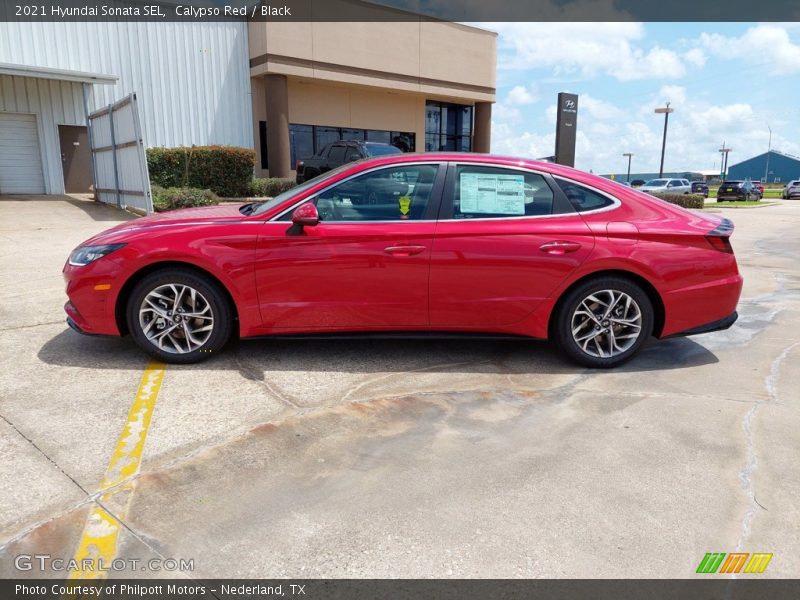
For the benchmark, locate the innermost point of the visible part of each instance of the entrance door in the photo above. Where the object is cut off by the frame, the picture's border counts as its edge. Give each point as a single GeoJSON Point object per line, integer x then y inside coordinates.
{"type": "Point", "coordinates": [76, 161]}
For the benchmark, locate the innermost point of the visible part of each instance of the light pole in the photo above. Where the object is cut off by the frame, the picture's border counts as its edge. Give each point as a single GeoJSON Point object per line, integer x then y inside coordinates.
{"type": "Point", "coordinates": [769, 149]}
{"type": "Point", "coordinates": [724, 152]}
{"type": "Point", "coordinates": [629, 155]}
{"type": "Point", "coordinates": [666, 110]}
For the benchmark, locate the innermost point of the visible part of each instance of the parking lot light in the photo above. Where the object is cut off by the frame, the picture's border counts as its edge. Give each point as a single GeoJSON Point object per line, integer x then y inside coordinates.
{"type": "Point", "coordinates": [666, 110]}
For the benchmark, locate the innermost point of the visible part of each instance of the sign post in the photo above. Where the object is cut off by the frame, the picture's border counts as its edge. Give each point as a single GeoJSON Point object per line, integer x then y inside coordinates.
{"type": "Point", "coordinates": [566, 128]}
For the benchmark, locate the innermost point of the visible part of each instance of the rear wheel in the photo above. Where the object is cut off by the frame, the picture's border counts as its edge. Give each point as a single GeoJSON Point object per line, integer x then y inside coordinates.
{"type": "Point", "coordinates": [179, 316]}
{"type": "Point", "coordinates": [604, 322]}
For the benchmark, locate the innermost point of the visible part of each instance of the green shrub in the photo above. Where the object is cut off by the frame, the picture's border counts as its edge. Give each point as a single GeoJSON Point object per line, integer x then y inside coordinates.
{"type": "Point", "coordinates": [225, 170]}
{"type": "Point", "coordinates": [165, 199]}
{"type": "Point", "coordinates": [270, 187]}
{"type": "Point", "coordinates": [684, 200]}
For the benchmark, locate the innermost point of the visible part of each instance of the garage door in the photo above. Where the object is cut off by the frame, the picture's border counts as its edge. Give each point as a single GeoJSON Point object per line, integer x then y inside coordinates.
{"type": "Point", "coordinates": [20, 158]}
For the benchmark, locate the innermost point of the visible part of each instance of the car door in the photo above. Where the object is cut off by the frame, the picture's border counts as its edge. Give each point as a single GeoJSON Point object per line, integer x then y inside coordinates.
{"type": "Point", "coordinates": [365, 266]}
{"type": "Point", "coordinates": [505, 240]}
{"type": "Point", "coordinates": [335, 157]}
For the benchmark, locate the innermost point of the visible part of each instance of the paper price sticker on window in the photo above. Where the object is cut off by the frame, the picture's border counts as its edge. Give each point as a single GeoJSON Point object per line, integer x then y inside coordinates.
{"type": "Point", "coordinates": [491, 193]}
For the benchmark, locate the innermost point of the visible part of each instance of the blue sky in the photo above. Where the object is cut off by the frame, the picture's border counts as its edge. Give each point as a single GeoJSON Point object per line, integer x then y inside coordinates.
{"type": "Point", "coordinates": [726, 81]}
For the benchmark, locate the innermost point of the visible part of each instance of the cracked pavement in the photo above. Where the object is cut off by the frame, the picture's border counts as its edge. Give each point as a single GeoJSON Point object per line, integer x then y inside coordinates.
{"type": "Point", "coordinates": [415, 458]}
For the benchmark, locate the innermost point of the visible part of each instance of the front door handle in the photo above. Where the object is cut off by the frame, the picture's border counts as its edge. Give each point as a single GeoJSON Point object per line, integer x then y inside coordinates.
{"type": "Point", "coordinates": [404, 250]}
{"type": "Point", "coordinates": [559, 247]}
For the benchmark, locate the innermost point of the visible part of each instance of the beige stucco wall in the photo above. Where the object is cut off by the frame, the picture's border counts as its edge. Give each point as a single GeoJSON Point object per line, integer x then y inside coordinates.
{"type": "Point", "coordinates": [420, 56]}
{"type": "Point", "coordinates": [340, 105]}
{"type": "Point", "coordinates": [370, 75]}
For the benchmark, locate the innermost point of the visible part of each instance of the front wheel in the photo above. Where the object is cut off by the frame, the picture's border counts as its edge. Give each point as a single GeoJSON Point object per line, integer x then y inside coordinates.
{"type": "Point", "coordinates": [179, 316]}
{"type": "Point", "coordinates": [603, 323]}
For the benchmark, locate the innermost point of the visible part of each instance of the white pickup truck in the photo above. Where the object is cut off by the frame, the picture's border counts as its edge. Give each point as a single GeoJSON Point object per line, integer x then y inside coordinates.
{"type": "Point", "coordinates": [672, 186]}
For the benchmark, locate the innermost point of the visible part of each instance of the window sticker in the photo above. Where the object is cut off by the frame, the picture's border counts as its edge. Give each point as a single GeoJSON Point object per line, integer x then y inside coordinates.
{"type": "Point", "coordinates": [492, 193]}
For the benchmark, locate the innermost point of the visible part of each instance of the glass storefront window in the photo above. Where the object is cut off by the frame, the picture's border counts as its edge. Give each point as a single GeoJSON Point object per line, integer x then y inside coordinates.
{"type": "Point", "coordinates": [448, 127]}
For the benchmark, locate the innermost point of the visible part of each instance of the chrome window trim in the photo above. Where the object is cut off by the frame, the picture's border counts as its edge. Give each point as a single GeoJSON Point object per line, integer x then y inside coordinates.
{"type": "Point", "coordinates": [438, 163]}
{"type": "Point", "coordinates": [616, 202]}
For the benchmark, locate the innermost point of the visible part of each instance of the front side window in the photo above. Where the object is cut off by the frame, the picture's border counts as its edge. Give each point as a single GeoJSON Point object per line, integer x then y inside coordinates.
{"type": "Point", "coordinates": [496, 193]}
{"type": "Point", "coordinates": [337, 153]}
{"type": "Point", "coordinates": [400, 193]}
{"type": "Point", "coordinates": [582, 198]}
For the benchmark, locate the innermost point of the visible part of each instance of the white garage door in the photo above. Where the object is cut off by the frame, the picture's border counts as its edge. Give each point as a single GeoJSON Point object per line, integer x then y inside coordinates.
{"type": "Point", "coordinates": [20, 158]}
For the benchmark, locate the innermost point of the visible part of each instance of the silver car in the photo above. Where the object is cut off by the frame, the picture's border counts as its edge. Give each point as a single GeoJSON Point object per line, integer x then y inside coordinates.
{"type": "Point", "coordinates": [672, 186]}
{"type": "Point", "coordinates": [792, 190]}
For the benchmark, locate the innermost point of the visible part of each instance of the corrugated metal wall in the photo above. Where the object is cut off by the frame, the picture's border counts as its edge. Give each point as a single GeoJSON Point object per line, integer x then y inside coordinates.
{"type": "Point", "coordinates": [54, 103]}
{"type": "Point", "coordinates": [192, 79]}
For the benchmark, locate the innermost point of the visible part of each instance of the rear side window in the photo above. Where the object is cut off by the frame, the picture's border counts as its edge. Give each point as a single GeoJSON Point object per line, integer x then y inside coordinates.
{"type": "Point", "coordinates": [496, 193]}
{"type": "Point", "coordinates": [582, 198]}
{"type": "Point", "coordinates": [337, 153]}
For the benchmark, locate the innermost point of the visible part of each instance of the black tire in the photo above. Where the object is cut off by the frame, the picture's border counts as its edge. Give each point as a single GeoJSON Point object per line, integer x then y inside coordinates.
{"type": "Point", "coordinates": [208, 290]}
{"type": "Point", "coordinates": [562, 324]}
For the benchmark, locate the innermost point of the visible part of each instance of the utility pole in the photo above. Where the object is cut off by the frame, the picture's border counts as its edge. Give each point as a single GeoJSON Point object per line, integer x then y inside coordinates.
{"type": "Point", "coordinates": [629, 155]}
{"type": "Point", "coordinates": [769, 149]}
{"type": "Point", "coordinates": [666, 110]}
{"type": "Point", "coordinates": [724, 152]}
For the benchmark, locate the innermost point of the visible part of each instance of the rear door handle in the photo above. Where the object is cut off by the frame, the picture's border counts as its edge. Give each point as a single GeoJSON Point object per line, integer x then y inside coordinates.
{"type": "Point", "coordinates": [404, 250]}
{"type": "Point", "coordinates": [559, 247]}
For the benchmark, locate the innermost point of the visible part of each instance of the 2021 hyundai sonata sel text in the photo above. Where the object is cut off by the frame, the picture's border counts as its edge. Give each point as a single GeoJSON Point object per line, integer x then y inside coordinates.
{"type": "Point", "coordinates": [427, 243]}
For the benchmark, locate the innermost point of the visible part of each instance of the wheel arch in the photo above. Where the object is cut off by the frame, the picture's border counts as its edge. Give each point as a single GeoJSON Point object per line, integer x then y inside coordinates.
{"type": "Point", "coordinates": [659, 313]}
{"type": "Point", "coordinates": [127, 288]}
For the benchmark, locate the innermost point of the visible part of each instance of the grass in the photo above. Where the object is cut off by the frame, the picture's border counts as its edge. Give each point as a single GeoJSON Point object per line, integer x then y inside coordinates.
{"type": "Point", "coordinates": [739, 204]}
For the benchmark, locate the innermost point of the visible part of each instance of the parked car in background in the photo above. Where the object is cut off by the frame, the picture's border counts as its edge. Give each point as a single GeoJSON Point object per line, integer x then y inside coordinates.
{"type": "Point", "coordinates": [338, 153]}
{"type": "Point", "coordinates": [737, 190]}
{"type": "Point", "coordinates": [672, 186]}
{"type": "Point", "coordinates": [792, 190]}
{"type": "Point", "coordinates": [759, 186]}
{"type": "Point", "coordinates": [700, 187]}
{"type": "Point", "coordinates": [638, 183]}
{"type": "Point", "coordinates": [450, 243]}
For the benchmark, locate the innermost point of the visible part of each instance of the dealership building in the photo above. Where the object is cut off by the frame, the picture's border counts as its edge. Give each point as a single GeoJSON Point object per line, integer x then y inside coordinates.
{"type": "Point", "coordinates": [283, 89]}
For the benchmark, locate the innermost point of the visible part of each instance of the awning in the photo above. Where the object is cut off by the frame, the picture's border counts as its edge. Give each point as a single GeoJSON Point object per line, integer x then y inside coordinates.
{"type": "Point", "coordinates": [59, 74]}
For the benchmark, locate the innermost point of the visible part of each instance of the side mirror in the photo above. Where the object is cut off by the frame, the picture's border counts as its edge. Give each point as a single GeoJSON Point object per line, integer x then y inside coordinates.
{"type": "Point", "coordinates": [306, 215]}
{"type": "Point", "coordinates": [354, 158]}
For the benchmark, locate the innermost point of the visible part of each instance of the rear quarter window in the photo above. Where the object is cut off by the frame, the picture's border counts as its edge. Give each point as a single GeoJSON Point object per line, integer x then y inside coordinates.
{"type": "Point", "coordinates": [582, 198]}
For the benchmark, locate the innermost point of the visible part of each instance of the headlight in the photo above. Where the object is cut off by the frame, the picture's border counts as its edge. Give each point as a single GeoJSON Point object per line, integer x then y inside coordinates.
{"type": "Point", "coordinates": [83, 255]}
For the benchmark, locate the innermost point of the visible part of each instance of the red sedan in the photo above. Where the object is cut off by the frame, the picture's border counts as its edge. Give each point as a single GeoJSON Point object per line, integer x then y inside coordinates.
{"type": "Point", "coordinates": [436, 243]}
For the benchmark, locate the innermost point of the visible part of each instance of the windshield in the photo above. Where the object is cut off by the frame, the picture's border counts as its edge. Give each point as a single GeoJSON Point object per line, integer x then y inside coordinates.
{"type": "Point", "coordinates": [657, 182]}
{"type": "Point", "coordinates": [296, 191]}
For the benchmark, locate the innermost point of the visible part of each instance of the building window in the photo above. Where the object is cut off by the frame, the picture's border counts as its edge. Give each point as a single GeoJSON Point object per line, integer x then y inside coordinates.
{"type": "Point", "coordinates": [448, 127]}
{"type": "Point", "coordinates": [307, 140]}
{"type": "Point", "coordinates": [262, 142]}
{"type": "Point", "coordinates": [301, 142]}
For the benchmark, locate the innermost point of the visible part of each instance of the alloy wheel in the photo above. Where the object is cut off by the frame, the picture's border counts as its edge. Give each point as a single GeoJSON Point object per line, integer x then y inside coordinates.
{"type": "Point", "coordinates": [176, 318]}
{"type": "Point", "coordinates": [606, 323]}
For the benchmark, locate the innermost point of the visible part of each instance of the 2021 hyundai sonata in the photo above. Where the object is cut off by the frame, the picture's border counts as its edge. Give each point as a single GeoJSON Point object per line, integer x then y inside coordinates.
{"type": "Point", "coordinates": [428, 243]}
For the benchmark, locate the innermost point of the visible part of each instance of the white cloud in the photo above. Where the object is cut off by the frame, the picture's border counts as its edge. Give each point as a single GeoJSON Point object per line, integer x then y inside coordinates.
{"type": "Point", "coordinates": [588, 49]}
{"type": "Point", "coordinates": [599, 109]}
{"type": "Point", "coordinates": [520, 95]}
{"type": "Point", "coordinates": [695, 57]}
{"type": "Point", "coordinates": [768, 45]}
{"type": "Point", "coordinates": [674, 94]}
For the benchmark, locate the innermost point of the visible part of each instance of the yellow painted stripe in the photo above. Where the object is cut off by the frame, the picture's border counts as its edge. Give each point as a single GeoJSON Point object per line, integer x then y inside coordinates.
{"type": "Point", "coordinates": [98, 543]}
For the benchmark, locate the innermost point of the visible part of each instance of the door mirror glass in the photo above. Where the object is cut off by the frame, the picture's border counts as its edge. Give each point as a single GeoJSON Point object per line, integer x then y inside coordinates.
{"type": "Point", "coordinates": [306, 215]}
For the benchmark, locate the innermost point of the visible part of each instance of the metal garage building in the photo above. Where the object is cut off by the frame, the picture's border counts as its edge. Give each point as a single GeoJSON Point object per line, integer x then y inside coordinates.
{"type": "Point", "coordinates": [192, 81]}
{"type": "Point", "coordinates": [771, 167]}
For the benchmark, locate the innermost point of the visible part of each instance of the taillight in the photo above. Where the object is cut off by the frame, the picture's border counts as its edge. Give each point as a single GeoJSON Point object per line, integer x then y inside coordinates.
{"type": "Point", "coordinates": [721, 243]}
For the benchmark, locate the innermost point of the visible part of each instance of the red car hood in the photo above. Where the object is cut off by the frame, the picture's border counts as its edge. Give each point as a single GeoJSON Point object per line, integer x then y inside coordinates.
{"type": "Point", "coordinates": [184, 216]}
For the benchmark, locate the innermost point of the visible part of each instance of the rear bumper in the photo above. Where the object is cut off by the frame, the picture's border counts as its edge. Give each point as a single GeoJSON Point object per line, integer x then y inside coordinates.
{"type": "Point", "coordinates": [719, 325]}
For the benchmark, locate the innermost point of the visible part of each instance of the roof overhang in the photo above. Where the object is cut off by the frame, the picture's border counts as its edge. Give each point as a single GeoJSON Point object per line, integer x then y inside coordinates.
{"type": "Point", "coordinates": [59, 74]}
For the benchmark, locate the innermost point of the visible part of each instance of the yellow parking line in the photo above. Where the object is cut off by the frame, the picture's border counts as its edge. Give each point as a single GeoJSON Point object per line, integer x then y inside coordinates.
{"type": "Point", "coordinates": [98, 543]}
